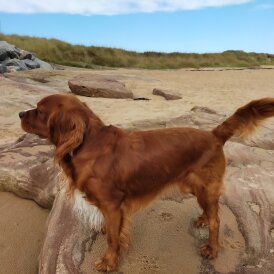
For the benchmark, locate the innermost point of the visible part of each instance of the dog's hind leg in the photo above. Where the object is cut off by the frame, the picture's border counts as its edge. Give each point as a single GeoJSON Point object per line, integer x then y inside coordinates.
{"type": "Point", "coordinates": [188, 185]}
{"type": "Point", "coordinates": [210, 205]}
{"type": "Point", "coordinates": [207, 192]}
{"type": "Point", "coordinates": [125, 231]}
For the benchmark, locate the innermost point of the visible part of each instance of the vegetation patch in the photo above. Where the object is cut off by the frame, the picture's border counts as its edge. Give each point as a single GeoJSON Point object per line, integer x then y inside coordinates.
{"type": "Point", "coordinates": [59, 52]}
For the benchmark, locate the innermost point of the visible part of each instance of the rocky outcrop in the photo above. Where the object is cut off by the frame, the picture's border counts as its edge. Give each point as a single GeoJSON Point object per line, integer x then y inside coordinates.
{"type": "Point", "coordinates": [168, 95]}
{"type": "Point", "coordinates": [98, 86]}
{"type": "Point", "coordinates": [14, 59]}
{"type": "Point", "coordinates": [66, 238]}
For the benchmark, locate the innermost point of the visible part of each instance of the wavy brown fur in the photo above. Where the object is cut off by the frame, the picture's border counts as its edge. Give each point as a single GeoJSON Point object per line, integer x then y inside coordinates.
{"type": "Point", "coordinates": [120, 171]}
{"type": "Point", "coordinates": [246, 119]}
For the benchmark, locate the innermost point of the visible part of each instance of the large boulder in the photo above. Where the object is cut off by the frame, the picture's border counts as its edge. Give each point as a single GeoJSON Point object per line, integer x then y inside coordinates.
{"type": "Point", "coordinates": [98, 86]}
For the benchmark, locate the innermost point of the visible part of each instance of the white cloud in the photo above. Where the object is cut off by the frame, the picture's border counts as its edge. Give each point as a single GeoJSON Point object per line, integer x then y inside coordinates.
{"type": "Point", "coordinates": [109, 7]}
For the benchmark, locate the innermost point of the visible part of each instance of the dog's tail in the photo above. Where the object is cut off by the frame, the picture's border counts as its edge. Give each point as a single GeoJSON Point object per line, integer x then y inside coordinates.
{"type": "Point", "coordinates": [245, 120]}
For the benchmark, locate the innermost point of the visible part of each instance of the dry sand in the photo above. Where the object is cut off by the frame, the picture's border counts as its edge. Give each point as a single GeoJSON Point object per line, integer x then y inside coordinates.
{"type": "Point", "coordinates": [164, 240]}
{"type": "Point", "coordinates": [22, 227]}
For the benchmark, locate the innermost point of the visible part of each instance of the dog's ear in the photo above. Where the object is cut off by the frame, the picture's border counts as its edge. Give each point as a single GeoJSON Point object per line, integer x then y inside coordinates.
{"type": "Point", "coordinates": [66, 131]}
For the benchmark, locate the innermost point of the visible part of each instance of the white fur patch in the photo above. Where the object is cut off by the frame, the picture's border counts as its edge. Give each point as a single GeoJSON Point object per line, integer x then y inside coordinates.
{"type": "Point", "coordinates": [86, 211]}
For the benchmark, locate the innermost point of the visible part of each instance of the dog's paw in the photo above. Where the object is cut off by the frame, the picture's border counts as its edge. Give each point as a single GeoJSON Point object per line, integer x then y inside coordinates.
{"type": "Point", "coordinates": [208, 252]}
{"type": "Point", "coordinates": [201, 222]}
{"type": "Point", "coordinates": [105, 265]}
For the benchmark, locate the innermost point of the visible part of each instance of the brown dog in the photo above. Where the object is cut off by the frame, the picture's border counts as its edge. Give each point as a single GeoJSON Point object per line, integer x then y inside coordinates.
{"type": "Point", "coordinates": [120, 172]}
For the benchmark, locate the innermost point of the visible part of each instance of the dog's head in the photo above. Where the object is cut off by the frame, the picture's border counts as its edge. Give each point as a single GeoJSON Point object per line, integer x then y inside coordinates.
{"type": "Point", "coordinates": [62, 119]}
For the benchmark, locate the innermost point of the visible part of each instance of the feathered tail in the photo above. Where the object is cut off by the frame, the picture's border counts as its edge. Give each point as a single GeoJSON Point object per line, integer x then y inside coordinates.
{"type": "Point", "coordinates": [245, 120]}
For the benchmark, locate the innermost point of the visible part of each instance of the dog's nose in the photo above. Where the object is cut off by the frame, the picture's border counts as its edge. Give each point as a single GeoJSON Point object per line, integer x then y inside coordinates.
{"type": "Point", "coordinates": [22, 114]}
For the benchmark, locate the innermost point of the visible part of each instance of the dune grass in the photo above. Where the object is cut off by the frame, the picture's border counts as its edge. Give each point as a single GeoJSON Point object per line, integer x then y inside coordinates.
{"type": "Point", "coordinates": [59, 52]}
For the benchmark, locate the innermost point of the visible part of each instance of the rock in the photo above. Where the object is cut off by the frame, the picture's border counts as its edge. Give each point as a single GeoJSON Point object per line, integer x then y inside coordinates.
{"type": "Point", "coordinates": [26, 55]}
{"type": "Point", "coordinates": [249, 194]}
{"type": "Point", "coordinates": [20, 64]}
{"type": "Point", "coordinates": [12, 68]}
{"type": "Point", "coordinates": [31, 64]}
{"type": "Point", "coordinates": [168, 95]}
{"type": "Point", "coordinates": [27, 170]}
{"type": "Point", "coordinates": [15, 59]}
{"type": "Point", "coordinates": [3, 69]}
{"type": "Point", "coordinates": [66, 239]}
{"type": "Point", "coordinates": [203, 109]}
{"type": "Point", "coordinates": [43, 64]}
{"type": "Point", "coordinates": [98, 86]}
{"type": "Point", "coordinates": [8, 51]}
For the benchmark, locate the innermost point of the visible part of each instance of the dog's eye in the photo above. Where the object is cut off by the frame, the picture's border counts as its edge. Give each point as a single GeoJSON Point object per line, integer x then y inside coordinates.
{"type": "Point", "coordinates": [39, 112]}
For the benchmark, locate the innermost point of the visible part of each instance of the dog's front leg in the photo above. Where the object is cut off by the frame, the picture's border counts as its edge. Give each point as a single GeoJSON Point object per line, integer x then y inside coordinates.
{"type": "Point", "coordinates": [113, 218]}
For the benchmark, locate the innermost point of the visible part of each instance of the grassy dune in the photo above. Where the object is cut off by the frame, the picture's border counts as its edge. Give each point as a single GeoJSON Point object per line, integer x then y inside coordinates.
{"type": "Point", "coordinates": [59, 52]}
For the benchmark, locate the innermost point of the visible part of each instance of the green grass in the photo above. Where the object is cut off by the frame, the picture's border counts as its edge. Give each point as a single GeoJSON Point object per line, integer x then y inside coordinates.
{"type": "Point", "coordinates": [59, 52]}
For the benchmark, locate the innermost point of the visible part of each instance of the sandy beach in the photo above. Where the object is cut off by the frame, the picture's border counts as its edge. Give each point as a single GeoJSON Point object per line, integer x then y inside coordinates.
{"type": "Point", "coordinates": [22, 230]}
{"type": "Point", "coordinates": [163, 236]}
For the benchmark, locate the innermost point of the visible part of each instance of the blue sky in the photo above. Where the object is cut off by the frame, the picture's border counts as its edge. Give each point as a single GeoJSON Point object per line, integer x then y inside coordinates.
{"type": "Point", "coordinates": [146, 25]}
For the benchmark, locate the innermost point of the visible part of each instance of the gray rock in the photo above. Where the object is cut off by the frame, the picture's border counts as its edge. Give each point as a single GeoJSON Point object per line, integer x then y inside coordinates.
{"type": "Point", "coordinates": [168, 95]}
{"type": "Point", "coordinates": [3, 54]}
{"type": "Point", "coordinates": [16, 63]}
{"type": "Point", "coordinates": [26, 55]}
{"type": "Point", "coordinates": [43, 64]}
{"type": "Point", "coordinates": [31, 64]}
{"type": "Point", "coordinates": [3, 69]}
{"type": "Point", "coordinates": [14, 59]}
{"type": "Point", "coordinates": [8, 51]}
{"type": "Point", "coordinates": [12, 68]}
{"type": "Point", "coordinates": [98, 86]}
